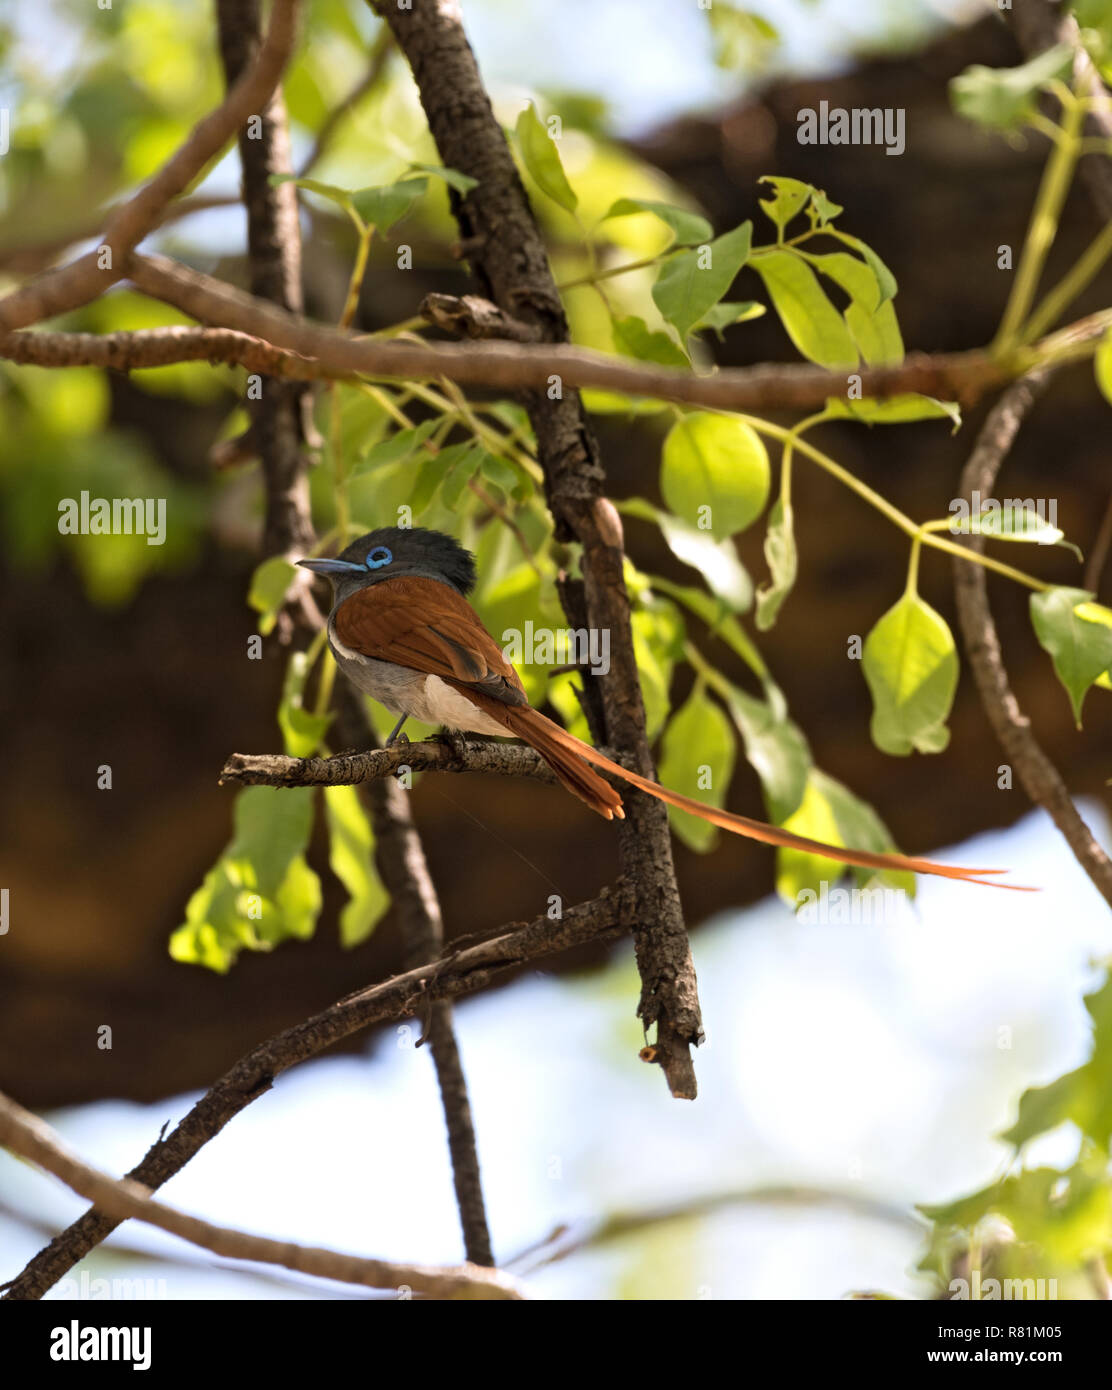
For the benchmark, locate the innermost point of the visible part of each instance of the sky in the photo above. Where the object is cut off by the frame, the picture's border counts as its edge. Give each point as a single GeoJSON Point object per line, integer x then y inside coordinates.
{"type": "Point", "coordinates": [861, 1062]}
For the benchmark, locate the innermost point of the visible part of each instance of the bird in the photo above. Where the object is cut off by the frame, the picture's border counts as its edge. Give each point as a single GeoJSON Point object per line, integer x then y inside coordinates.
{"type": "Point", "coordinates": [402, 631]}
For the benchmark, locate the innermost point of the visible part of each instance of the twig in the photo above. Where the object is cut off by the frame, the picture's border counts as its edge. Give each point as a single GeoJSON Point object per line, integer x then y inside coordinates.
{"type": "Point", "coordinates": [461, 972]}
{"type": "Point", "coordinates": [29, 1137]}
{"type": "Point", "coordinates": [401, 863]}
{"type": "Point", "coordinates": [69, 286]}
{"type": "Point", "coordinates": [1041, 779]}
{"type": "Point", "coordinates": [1039, 26]}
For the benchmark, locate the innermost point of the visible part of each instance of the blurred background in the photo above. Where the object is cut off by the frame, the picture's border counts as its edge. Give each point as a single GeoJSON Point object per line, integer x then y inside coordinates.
{"type": "Point", "coordinates": [850, 1071]}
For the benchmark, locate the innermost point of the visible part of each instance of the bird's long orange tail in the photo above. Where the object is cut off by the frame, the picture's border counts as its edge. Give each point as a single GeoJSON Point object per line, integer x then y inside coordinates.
{"type": "Point", "coordinates": [566, 754]}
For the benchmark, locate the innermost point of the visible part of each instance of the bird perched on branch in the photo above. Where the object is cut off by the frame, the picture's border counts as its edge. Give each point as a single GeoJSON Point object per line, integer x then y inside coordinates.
{"type": "Point", "coordinates": [403, 632]}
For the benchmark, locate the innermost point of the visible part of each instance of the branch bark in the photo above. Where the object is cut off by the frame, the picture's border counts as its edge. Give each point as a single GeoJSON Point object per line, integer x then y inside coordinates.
{"type": "Point", "coordinates": [1040, 778]}
{"type": "Point", "coordinates": [274, 266]}
{"type": "Point", "coordinates": [29, 1137]}
{"type": "Point", "coordinates": [510, 262]}
{"type": "Point", "coordinates": [521, 367]}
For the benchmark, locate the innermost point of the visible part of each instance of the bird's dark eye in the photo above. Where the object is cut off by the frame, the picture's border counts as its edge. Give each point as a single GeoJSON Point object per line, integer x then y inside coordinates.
{"type": "Point", "coordinates": [378, 557]}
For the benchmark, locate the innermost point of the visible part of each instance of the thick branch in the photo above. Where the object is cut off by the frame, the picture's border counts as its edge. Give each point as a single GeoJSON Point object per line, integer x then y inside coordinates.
{"type": "Point", "coordinates": [1040, 778]}
{"type": "Point", "coordinates": [962, 376]}
{"type": "Point", "coordinates": [461, 972]}
{"type": "Point", "coordinates": [29, 1137]}
{"type": "Point", "coordinates": [510, 262]}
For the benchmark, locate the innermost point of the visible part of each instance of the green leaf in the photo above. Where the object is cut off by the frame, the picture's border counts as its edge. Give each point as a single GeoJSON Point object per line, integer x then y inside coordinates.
{"type": "Point", "coordinates": [894, 410]}
{"type": "Point", "coordinates": [825, 209]}
{"type": "Point", "coordinates": [302, 730]}
{"type": "Point", "coordinates": [688, 228]}
{"type": "Point", "coordinates": [513, 480]}
{"type": "Point", "coordinates": [717, 561]}
{"type": "Point", "coordinates": [775, 749]}
{"type": "Point", "coordinates": [323, 190]}
{"type": "Point", "coordinates": [830, 812]}
{"type": "Point", "coordinates": [1102, 366]}
{"type": "Point", "coordinates": [692, 282]}
{"type": "Point", "coordinates": [812, 323]}
{"type": "Point", "coordinates": [911, 666]}
{"type": "Point", "coordinates": [462, 183]}
{"type": "Point", "coordinates": [790, 198]}
{"type": "Point", "coordinates": [382, 207]}
{"type": "Point", "coordinates": [633, 338]}
{"type": "Point", "coordinates": [399, 445]}
{"type": "Point", "coordinates": [716, 614]}
{"type": "Point", "coordinates": [697, 759]}
{"type": "Point", "coordinates": [783, 564]}
{"type": "Point", "coordinates": [1072, 629]}
{"type": "Point", "coordinates": [726, 314]}
{"type": "Point", "coordinates": [884, 277]}
{"type": "Point", "coordinates": [714, 473]}
{"type": "Point", "coordinates": [268, 589]}
{"type": "Point", "coordinates": [877, 335]}
{"type": "Point", "coordinates": [854, 276]}
{"type": "Point", "coordinates": [542, 159]}
{"type": "Point", "coordinates": [1004, 98]}
{"type": "Point", "coordinates": [463, 463]}
{"type": "Point", "coordinates": [1013, 523]}
{"type": "Point", "coordinates": [351, 856]}
{"type": "Point", "coordinates": [260, 891]}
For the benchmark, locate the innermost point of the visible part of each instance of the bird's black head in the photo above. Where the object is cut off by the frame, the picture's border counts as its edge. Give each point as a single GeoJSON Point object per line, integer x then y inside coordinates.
{"type": "Point", "coordinates": [395, 552]}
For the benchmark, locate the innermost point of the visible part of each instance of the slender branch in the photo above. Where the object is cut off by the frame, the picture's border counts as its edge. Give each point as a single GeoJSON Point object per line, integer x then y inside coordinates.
{"type": "Point", "coordinates": [79, 281]}
{"type": "Point", "coordinates": [274, 267]}
{"type": "Point", "coordinates": [29, 1137]}
{"type": "Point", "coordinates": [401, 863]}
{"type": "Point", "coordinates": [353, 769]}
{"type": "Point", "coordinates": [1041, 779]}
{"type": "Point", "coordinates": [464, 971]}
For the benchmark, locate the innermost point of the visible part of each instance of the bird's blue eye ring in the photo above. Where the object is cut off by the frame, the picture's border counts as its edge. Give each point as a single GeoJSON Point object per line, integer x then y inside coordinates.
{"type": "Point", "coordinates": [378, 557]}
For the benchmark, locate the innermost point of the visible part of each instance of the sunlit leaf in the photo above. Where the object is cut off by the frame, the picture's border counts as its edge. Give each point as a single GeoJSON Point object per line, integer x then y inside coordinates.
{"type": "Point", "coordinates": [1071, 627]}
{"type": "Point", "coordinates": [692, 282]}
{"type": "Point", "coordinates": [910, 662]}
{"type": "Point", "coordinates": [714, 473]}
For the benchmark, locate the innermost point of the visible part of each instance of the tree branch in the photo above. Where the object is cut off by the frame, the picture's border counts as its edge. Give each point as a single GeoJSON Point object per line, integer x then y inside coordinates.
{"type": "Point", "coordinates": [520, 367]}
{"type": "Point", "coordinates": [29, 1137]}
{"type": "Point", "coordinates": [461, 972]}
{"type": "Point", "coordinates": [67, 287]}
{"type": "Point", "coordinates": [509, 259]}
{"type": "Point", "coordinates": [401, 863]}
{"type": "Point", "coordinates": [274, 266]}
{"type": "Point", "coordinates": [1041, 779]}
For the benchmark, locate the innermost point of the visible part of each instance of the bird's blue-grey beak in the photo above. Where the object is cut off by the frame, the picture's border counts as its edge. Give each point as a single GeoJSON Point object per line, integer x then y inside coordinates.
{"type": "Point", "coordinates": [330, 566]}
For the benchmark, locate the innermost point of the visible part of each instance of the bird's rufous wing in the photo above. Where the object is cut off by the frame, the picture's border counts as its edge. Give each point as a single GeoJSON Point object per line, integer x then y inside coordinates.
{"type": "Point", "coordinates": [427, 626]}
